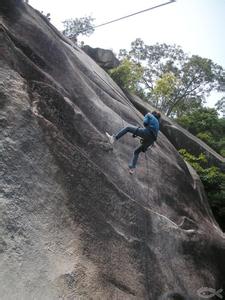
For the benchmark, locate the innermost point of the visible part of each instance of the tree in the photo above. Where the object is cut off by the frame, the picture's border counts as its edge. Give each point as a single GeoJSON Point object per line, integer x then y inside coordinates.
{"type": "Point", "coordinates": [127, 75]}
{"type": "Point", "coordinates": [220, 106]}
{"type": "Point", "coordinates": [214, 183]}
{"type": "Point", "coordinates": [206, 125]}
{"type": "Point", "coordinates": [203, 119]}
{"type": "Point", "coordinates": [163, 90]}
{"type": "Point", "coordinates": [192, 77]}
{"type": "Point", "coordinates": [78, 26]}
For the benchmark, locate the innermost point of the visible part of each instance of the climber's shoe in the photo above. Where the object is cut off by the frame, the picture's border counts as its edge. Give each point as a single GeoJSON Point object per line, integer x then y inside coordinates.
{"type": "Point", "coordinates": [111, 138]}
{"type": "Point", "coordinates": [131, 171]}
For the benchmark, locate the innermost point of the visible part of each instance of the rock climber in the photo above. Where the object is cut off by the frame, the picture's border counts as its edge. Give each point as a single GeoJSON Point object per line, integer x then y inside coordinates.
{"type": "Point", "coordinates": [148, 136]}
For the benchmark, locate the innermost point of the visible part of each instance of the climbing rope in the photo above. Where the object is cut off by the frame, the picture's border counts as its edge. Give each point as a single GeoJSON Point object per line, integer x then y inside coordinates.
{"type": "Point", "coordinates": [148, 195]}
{"type": "Point", "coordinates": [131, 106]}
{"type": "Point", "coordinates": [148, 191]}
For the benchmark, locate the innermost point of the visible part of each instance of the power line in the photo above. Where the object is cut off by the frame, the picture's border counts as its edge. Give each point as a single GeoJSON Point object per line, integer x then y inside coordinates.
{"type": "Point", "coordinates": [136, 13]}
{"type": "Point", "coordinates": [131, 15]}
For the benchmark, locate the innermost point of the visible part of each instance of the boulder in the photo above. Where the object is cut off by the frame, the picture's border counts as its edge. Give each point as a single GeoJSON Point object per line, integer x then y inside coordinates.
{"type": "Point", "coordinates": [103, 57]}
{"type": "Point", "coordinates": [73, 223]}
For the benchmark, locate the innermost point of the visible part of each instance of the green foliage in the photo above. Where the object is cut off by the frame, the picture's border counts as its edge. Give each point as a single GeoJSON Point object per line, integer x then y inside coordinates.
{"type": "Point", "coordinates": [214, 183]}
{"type": "Point", "coordinates": [196, 162]}
{"type": "Point", "coordinates": [220, 106]}
{"type": "Point", "coordinates": [164, 90]}
{"type": "Point", "coordinates": [220, 145]}
{"type": "Point", "coordinates": [207, 138]}
{"type": "Point", "coordinates": [200, 120]}
{"type": "Point", "coordinates": [78, 26]}
{"type": "Point", "coordinates": [206, 125]}
{"type": "Point", "coordinates": [174, 81]}
{"type": "Point", "coordinates": [127, 75]}
{"type": "Point", "coordinates": [222, 152]}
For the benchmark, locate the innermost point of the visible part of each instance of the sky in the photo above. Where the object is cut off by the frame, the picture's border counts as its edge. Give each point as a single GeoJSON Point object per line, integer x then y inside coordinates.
{"type": "Point", "coordinates": [195, 25]}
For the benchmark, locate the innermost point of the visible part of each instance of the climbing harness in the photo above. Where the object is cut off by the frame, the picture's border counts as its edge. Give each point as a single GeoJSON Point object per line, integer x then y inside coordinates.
{"type": "Point", "coordinates": [134, 135]}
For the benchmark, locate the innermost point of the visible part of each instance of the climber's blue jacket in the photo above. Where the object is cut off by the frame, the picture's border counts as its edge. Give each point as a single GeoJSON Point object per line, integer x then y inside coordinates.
{"type": "Point", "coordinates": [152, 123]}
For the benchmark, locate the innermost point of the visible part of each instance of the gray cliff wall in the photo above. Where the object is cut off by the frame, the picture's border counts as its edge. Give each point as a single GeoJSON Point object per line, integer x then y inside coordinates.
{"type": "Point", "coordinates": [73, 223]}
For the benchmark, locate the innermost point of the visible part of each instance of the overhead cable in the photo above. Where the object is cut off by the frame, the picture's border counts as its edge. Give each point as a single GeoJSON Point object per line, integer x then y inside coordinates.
{"type": "Point", "coordinates": [131, 15]}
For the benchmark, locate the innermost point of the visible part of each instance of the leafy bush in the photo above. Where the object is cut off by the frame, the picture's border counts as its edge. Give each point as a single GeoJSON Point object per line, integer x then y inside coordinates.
{"type": "Point", "coordinates": [214, 183]}
{"type": "Point", "coordinates": [206, 137]}
{"type": "Point", "coordinates": [222, 152]}
{"type": "Point", "coordinates": [127, 75]}
{"type": "Point", "coordinates": [206, 125]}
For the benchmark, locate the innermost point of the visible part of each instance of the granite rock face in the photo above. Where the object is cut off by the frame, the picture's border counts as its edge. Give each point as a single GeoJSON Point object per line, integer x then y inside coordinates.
{"type": "Point", "coordinates": [73, 223]}
{"type": "Point", "coordinates": [103, 57]}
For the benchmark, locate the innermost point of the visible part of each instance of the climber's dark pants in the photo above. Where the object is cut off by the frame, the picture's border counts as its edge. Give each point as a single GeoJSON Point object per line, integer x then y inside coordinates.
{"type": "Point", "coordinates": [145, 134]}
